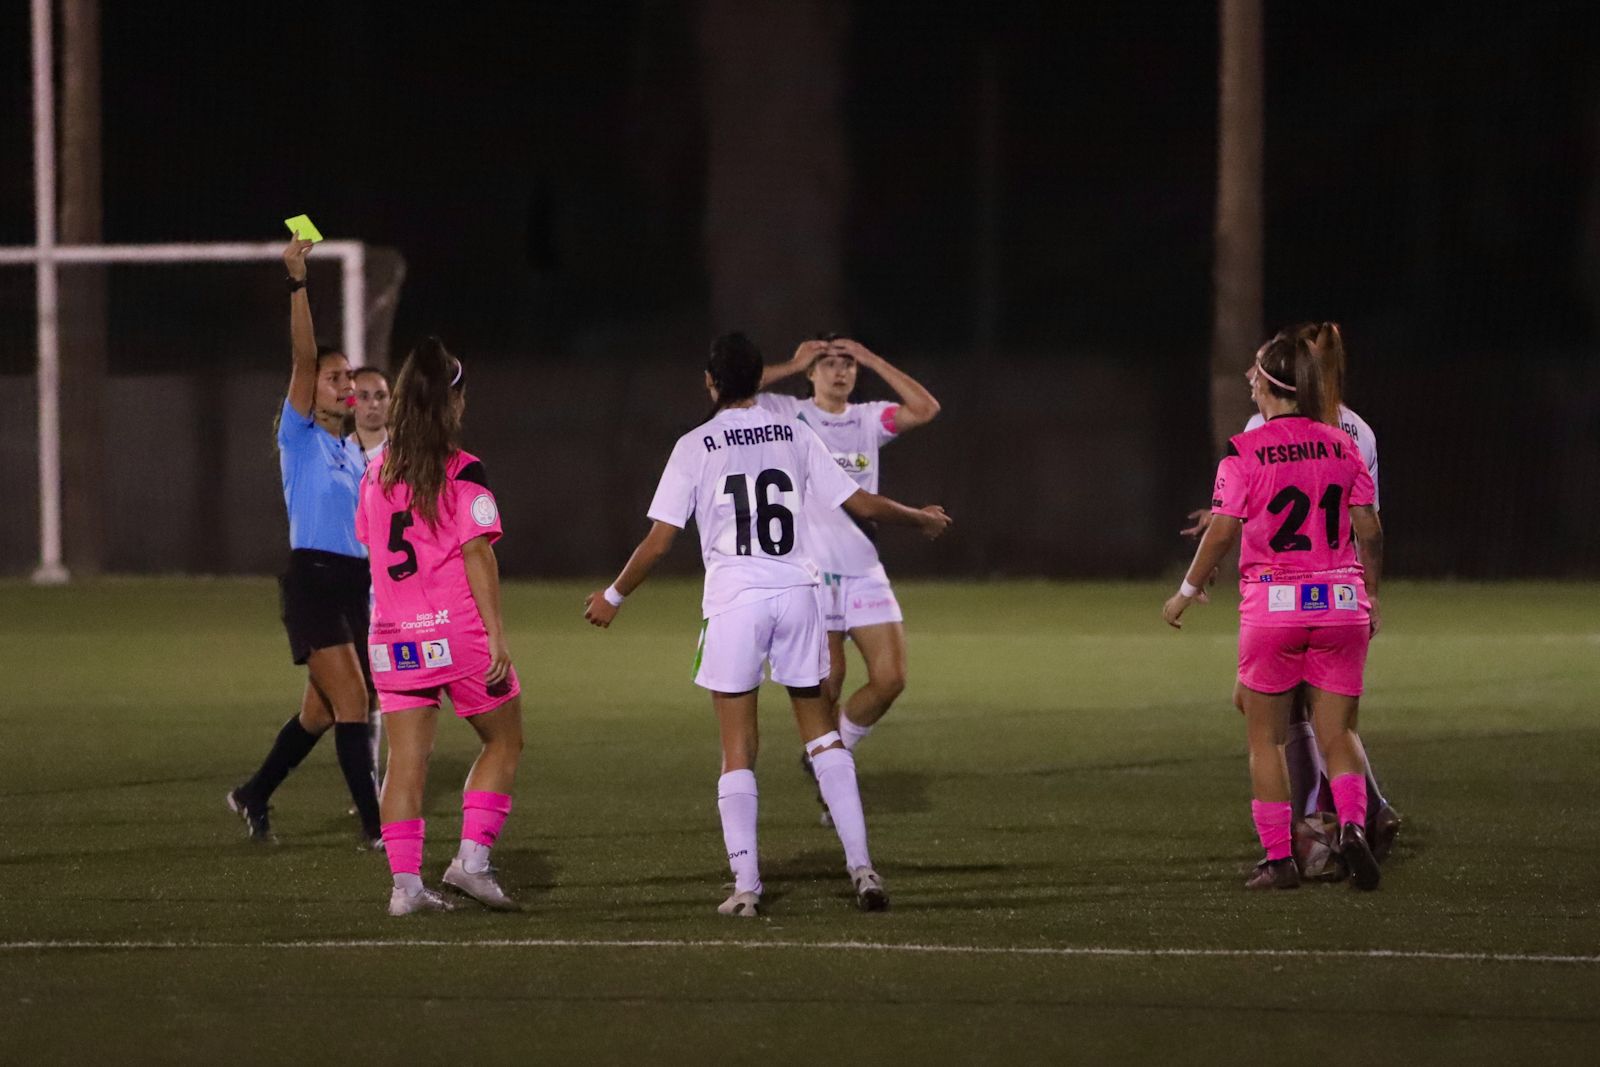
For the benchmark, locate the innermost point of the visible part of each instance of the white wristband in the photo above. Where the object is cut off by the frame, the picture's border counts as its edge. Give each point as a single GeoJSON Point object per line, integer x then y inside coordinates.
{"type": "Point", "coordinates": [613, 597]}
{"type": "Point", "coordinates": [1188, 590]}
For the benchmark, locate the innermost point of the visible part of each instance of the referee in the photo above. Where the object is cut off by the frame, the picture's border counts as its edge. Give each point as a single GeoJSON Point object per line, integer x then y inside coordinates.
{"type": "Point", "coordinates": [325, 590]}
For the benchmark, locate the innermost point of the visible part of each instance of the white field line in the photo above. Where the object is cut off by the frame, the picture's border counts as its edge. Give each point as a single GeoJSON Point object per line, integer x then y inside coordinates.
{"type": "Point", "coordinates": [1091, 952]}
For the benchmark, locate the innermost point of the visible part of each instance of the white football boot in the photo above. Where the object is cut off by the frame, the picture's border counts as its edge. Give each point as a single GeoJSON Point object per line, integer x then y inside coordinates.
{"type": "Point", "coordinates": [870, 894]}
{"type": "Point", "coordinates": [746, 905]}
{"type": "Point", "coordinates": [403, 903]}
{"type": "Point", "coordinates": [481, 886]}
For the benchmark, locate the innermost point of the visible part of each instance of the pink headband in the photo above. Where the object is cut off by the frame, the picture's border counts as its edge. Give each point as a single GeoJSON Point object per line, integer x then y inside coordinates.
{"type": "Point", "coordinates": [1263, 372]}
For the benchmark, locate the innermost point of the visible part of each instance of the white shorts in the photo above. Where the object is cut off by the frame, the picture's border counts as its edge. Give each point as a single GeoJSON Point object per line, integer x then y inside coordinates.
{"type": "Point", "coordinates": [849, 601]}
{"type": "Point", "coordinates": [785, 631]}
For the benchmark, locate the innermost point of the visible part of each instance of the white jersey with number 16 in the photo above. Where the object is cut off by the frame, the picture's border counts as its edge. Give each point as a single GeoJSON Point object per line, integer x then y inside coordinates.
{"type": "Point", "coordinates": [744, 476]}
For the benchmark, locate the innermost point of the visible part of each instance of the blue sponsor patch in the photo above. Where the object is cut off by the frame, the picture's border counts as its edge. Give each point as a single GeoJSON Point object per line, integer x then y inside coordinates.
{"type": "Point", "coordinates": [1265, 578]}
{"type": "Point", "coordinates": [1314, 596]}
{"type": "Point", "coordinates": [406, 657]}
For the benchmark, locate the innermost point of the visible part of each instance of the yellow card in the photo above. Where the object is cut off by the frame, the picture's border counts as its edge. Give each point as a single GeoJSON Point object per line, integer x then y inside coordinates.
{"type": "Point", "coordinates": [302, 228]}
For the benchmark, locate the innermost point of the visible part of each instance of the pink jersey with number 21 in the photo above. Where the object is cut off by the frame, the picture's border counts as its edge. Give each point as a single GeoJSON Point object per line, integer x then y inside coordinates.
{"type": "Point", "coordinates": [425, 628]}
{"type": "Point", "coordinates": [1293, 482]}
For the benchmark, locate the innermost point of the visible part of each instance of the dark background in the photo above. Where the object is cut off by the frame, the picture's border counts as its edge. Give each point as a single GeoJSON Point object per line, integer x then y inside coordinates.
{"type": "Point", "coordinates": [1432, 181]}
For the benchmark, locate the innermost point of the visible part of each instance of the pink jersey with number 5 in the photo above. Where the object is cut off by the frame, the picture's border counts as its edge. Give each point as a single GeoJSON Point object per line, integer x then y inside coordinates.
{"type": "Point", "coordinates": [425, 628]}
{"type": "Point", "coordinates": [1293, 482]}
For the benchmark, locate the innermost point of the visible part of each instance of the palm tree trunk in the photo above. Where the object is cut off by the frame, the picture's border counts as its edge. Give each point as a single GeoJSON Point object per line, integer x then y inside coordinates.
{"type": "Point", "coordinates": [83, 293]}
{"type": "Point", "coordinates": [776, 170]}
{"type": "Point", "coordinates": [1236, 266]}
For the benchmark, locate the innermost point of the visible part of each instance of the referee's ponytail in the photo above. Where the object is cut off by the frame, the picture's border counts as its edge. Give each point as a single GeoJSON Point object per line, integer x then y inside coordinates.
{"type": "Point", "coordinates": [424, 424]}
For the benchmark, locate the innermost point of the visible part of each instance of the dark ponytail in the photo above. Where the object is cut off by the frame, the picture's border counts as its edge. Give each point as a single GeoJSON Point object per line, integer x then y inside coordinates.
{"type": "Point", "coordinates": [735, 367]}
{"type": "Point", "coordinates": [1290, 359]}
{"type": "Point", "coordinates": [424, 422]}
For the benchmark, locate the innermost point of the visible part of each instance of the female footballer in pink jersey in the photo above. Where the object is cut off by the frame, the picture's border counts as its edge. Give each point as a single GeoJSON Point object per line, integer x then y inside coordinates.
{"type": "Point", "coordinates": [1309, 604]}
{"type": "Point", "coordinates": [1307, 771]}
{"type": "Point", "coordinates": [429, 519]}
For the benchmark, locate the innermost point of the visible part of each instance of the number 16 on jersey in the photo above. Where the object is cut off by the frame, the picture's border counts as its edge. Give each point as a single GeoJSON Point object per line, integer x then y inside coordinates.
{"type": "Point", "coordinates": [773, 528]}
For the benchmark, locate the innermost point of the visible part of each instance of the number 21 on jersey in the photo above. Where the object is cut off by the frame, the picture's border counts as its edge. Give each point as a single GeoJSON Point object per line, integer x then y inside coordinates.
{"type": "Point", "coordinates": [772, 527]}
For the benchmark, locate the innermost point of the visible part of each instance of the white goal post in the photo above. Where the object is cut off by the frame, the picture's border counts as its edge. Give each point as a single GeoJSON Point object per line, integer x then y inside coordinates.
{"type": "Point", "coordinates": [45, 255]}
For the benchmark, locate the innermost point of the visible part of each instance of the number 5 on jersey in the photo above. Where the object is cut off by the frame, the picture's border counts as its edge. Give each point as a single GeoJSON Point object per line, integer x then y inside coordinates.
{"type": "Point", "coordinates": [768, 511]}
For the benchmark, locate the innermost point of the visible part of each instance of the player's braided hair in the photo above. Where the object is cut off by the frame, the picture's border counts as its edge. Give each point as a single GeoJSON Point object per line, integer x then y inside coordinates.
{"type": "Point", "coordinates": [735, 367]}
{"type": "Point", "coordinates": [424, 422]}
{"type": "Point", "coordinates": [1291, 358]}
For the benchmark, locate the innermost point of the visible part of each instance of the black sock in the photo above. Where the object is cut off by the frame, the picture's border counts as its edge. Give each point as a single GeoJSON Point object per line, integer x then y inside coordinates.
{"type": "Point", "coordinates": [293, 743]}
{"type": "Point", "coordinates": [353, 744]}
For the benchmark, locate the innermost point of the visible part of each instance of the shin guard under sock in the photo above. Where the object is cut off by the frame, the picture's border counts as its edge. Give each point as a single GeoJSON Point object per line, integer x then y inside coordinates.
{"type": "Point", "coordinates": [737, 804]}
{"type": "Point", "coordinates": [1350, 798]}
{"type": "Point", "coordinates": [1272, 820]}
{"type": "Point", "coordinates": [836, 778]}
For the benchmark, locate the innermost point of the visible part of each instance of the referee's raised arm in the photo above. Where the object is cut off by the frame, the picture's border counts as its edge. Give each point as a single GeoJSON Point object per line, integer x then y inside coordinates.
{"type": "Point", "coordinates": [302, 338]}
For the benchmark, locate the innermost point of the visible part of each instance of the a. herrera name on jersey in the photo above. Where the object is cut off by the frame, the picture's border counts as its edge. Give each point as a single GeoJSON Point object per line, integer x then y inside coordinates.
{"type": "Point", "coordinates": [751, 435]}
{"type": "Point", "coordinates": [1296, 451]}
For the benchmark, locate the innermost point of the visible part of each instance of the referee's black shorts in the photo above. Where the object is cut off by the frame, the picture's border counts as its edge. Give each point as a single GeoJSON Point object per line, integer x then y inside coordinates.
{"type": "Point", "coordinates": [325, 599]}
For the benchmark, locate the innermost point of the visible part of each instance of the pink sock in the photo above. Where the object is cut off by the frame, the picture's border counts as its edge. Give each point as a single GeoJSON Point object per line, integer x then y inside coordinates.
{"type": "Point", "coordinates": [482, 816]}
{"type": "Point", "coordinates": [1350, 798]}
{"type": "Point", "coordinates": [403, 843]}
{"type": "Point", "coordinates": [1272, 826]}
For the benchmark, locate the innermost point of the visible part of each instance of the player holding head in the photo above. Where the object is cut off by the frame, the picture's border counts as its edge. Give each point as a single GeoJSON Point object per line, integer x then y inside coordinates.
{"type": "Point", "coordinates": [744, 476]}
{"type": "Point", "coordinates": [369, 420]}
{"type": "Point", "coordinates": [1309, 604]}
{"type": "Point", "coordinates": [857, 598]}
{"type": "Point", "coordinates": [324, 590]}
{"type": "Point", "coordinates": [430, 519]}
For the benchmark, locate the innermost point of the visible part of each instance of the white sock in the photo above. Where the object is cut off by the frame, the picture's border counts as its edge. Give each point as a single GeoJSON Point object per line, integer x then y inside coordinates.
{"type": "Point", "coordinates": [474, 856]}
{"type": "Point", "coordinates": [736, 800]}
{"type": "Point", "coordinates": [851, 734]}
{"type": "Point", "coordinates": [836, 777]}
{"type": "Point", "coordinates": [411, 883]}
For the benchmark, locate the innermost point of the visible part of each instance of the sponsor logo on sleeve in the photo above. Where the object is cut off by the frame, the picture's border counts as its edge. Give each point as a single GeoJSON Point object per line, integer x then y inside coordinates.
{"type": "Point", "coordinates": [484, 513]}
{"type": "Point", "coordinates": [1280, 598]}
{"type": "Point", "coordinates": [1344, 598]}
{"type": "Point", "coordinates": [378, 657]}
{"type": "Point", "coordinates": [852, 462]}
{"type": "Point", "coordinates": [1314, 596]}
{"type": "Point", "coordinates": [406, 657]}
{"type": "Point", "coordinates": [436, 653]}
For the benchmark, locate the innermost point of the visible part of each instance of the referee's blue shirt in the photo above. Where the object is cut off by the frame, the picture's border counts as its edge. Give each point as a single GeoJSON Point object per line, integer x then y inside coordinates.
{"type": "Point", "coordinates": [321, 480]}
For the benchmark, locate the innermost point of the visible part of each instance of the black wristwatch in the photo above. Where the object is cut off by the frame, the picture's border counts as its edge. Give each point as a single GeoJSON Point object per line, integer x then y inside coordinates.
{"type": "Point", "coordinates": [295, 284]}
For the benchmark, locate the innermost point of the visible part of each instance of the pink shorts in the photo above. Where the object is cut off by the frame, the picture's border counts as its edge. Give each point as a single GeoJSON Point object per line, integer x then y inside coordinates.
{"type": "Point", "coordinates": [1275, 659]}
{"type": "Point", "coordinates": [469, 696]}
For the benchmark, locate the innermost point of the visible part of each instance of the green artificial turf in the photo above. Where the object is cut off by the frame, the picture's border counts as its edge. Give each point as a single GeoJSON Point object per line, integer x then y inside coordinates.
{"type": "Point", "coordinates": [1063, 772]}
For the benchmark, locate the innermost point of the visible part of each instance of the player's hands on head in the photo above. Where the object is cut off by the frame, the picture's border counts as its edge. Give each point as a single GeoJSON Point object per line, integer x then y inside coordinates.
{"type": "Point", "coordinates": [294, 257]}
{"type": "Point", "coordinates": [499, 661]}
{"type": "Point", "coordinates": [935, 521]}
{"type": "Point", "coordinates": [809, 352]}
{"type": "Point", "coordinates": [1201, 517]}
{"type": "Point", "coordinates": [856, 351]}
{"type": "Point", "coordinates": [598, 610]}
